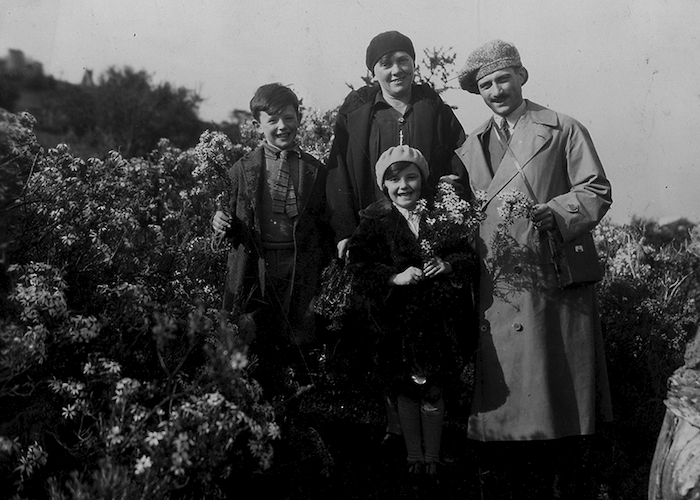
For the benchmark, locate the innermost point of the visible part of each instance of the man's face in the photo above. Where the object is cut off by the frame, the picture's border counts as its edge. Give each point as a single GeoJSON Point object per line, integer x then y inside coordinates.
{"type": "Point", "coordinates": [280, 129]}
{"type": "Point", "coordinates": [502, 90]}
{"type": "Point", "coordinates": [394, 72]}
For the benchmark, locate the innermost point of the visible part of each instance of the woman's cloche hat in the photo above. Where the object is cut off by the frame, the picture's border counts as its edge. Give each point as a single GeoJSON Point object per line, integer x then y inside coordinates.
{"type": "Point", "coordinates": [385, 43]}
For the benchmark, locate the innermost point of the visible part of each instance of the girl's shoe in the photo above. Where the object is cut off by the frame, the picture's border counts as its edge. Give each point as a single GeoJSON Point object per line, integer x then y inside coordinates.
{"type": "Point", "coordinates": [431, 473]}
{"type": "Point", "coordinates": [415, 475]}
{"type": "Point", "coordinates": [415, 469]}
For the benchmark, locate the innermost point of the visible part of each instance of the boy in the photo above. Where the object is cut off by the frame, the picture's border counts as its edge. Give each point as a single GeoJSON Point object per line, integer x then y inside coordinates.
{"type": "Point", "coordinates": [278, 227]}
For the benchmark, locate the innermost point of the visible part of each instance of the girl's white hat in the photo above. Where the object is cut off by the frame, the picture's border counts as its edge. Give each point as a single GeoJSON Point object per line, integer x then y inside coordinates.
{"type": "Point", "coordinates": [397, 154]}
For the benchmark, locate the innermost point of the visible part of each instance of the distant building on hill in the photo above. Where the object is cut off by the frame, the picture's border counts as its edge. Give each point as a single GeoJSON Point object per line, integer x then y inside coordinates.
{"type": "Point", "coordinates": [87, 80]}
{"type": "Point", "coordinates": [18, 66]}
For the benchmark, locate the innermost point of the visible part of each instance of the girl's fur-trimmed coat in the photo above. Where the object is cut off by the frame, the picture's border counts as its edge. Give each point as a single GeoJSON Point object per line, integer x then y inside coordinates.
{"type": "Point", "coordinates": [421, 329]}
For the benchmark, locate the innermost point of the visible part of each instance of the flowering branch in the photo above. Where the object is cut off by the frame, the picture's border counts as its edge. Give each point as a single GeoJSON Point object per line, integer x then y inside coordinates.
{"type": "Point", "coordinates": [451, 220]}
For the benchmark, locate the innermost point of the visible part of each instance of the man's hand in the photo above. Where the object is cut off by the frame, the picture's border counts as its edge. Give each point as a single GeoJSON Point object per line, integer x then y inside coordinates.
{"type": "Point", "coordinates": [221, 222]}
{"type": "Point", "coordinates": [543, 217]}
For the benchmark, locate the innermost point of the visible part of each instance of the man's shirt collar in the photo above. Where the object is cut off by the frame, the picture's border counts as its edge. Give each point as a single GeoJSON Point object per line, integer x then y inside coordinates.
{"type": "Point", "coordinates": [513, 117]}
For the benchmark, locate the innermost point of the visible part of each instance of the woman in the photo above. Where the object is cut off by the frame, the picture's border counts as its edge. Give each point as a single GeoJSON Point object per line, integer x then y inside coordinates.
{"type": "Point", "coordinates": [391, 112]}
{"type": "Point", "coordinates": [394, 110]}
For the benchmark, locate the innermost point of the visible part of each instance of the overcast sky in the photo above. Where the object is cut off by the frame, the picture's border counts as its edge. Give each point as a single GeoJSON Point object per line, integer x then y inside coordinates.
{"type": "Point", "coordinates": [627, 69]}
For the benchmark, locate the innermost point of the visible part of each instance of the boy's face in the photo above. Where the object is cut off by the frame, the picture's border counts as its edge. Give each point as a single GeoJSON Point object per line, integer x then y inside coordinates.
{"type": "Point", "coordinates": [404, 188]}
{"type": "Point", "coordinates": [394, 72]}
{"type": "Point", "coordinates": [502, 90]}
{"type": "Point", "coordinates": [280, 129]}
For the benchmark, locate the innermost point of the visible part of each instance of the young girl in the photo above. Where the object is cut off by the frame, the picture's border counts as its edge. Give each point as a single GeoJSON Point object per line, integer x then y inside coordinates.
{"type": "Point", "coordinates": [418, 303]}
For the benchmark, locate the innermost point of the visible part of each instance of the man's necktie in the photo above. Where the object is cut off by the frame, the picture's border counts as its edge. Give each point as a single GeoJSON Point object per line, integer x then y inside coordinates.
{"type": "Point", "coordinates": [505, 129]}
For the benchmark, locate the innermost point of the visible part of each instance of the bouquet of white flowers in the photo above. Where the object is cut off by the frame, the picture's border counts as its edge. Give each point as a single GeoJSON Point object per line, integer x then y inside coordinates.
{"type": "Point", "coordinates": [451, 220]}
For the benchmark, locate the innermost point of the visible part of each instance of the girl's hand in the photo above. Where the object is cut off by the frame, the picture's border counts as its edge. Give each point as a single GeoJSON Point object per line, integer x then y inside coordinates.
{"type": "Point", "coordinates": [410, 276]}
{"type": "Point", "coordinates": [436, 267]}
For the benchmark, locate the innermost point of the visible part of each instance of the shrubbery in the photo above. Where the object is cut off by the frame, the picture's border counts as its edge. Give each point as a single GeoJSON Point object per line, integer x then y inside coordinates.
{"type": "Point", "coordinates": [119, 378]}
{"type": "Point", "coordinates": [114, 362]}
{"type": "Point", "coordinates": [649, 305]}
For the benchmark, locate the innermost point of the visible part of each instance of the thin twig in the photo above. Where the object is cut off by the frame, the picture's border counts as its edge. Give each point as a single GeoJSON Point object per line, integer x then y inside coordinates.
{"type": "Point", "coordinates": [31, 171]}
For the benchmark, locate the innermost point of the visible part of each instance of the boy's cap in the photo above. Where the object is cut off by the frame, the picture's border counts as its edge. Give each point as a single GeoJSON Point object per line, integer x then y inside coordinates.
{"type": "Point", "coordinates": [490, 57]}
{"type": "Point", "coordinates": [385, 43]}
{"type": "Point", "coordinates": [397, 154]}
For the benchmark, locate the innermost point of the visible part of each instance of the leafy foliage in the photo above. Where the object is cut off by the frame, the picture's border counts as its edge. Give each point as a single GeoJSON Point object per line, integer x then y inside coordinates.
{"type": "Point", "coordinates": [125, 111]}
{"type": "Point", "coordinates": [135, 114]}
{"type": "Point", "coordinates": [437, 68]}
{"type": "Point", "coordinates": [649, 310]}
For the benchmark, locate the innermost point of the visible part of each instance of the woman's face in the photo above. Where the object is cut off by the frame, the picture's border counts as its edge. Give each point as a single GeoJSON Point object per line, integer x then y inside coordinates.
{"type": "Point", "coordinates": [394, 72]}
{"type": "Point", "coordinates": [404, 187]}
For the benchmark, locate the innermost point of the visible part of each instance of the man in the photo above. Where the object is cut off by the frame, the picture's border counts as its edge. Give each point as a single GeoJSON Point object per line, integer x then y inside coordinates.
{"type": "Point", "coordinates": [541, 382]}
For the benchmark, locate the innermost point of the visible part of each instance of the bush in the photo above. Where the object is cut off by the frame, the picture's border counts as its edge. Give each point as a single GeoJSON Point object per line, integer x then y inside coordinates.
{"type": "Point", "coordinates": [113, 357]}
{"type": "Point", "coordinates": [119, 378]}
{"type": "Point", "coordinates": [649, 310]}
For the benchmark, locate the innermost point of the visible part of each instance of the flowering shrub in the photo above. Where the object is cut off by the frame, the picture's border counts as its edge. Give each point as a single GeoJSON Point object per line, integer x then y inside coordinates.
{"type": "Point", "coordinates": [34, 458]}
{"type": "Point", "coordinates": [111, 326]}
{"type": "Point", "coordinates": [200, 424]}
{"type": "Point", "coordinates": [315, 133]}
{"type": "Point", "coordinates": [514, 204]}
{"type": "Point", "coordinates": [649, 310]}
{"type": "Point", "coordinates": [506, 253]}
{"type": "Point", "coordinates": [118, 377]}
{"type": "Point", "coordinates": [194, 437]}
{"type": "Point", "coordinates": [19, 150]}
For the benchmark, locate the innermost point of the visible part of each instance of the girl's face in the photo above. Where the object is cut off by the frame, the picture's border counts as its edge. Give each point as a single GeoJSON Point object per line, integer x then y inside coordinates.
{"type": "Point", "coordinates": [404, 187]}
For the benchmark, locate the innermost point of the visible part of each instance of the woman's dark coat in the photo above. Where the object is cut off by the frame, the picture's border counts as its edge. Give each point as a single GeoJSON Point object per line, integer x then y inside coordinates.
{"type": "Point", "coordinates": [351, 181]}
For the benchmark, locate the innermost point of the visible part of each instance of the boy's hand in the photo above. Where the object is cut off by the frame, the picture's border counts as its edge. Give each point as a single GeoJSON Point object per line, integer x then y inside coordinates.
{"type": "Point", "coordinates": [343, 248]}
{"type": "Point", "coordinates": [436, 267]}
{"type": "Point", "coordinates": [221, 222]}
{"type": "Point", "coordinates": [410, 276]}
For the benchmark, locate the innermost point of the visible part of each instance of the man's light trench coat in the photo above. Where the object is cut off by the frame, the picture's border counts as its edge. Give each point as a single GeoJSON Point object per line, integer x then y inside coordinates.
{"type": "Point", "coordinates": [540, 367]}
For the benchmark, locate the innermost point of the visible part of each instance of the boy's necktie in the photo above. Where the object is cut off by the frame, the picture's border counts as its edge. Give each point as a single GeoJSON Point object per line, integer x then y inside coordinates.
{"type": "Point", "coordinates": [283, 195]}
